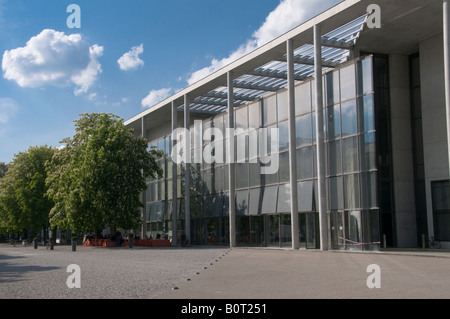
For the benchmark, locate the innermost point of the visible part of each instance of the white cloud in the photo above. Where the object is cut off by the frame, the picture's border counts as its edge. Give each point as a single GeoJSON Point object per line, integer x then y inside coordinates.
{"type": "Point", "coordinates": [156, 96]}
{"type": "Point", "coordinates": [54, 58]}
{"type": "Point", "coordinates": [131, 60]}
{"type": "Point", "coordinates": [8, 108]}
{"type": "Point", "coordinates": [288, 15]}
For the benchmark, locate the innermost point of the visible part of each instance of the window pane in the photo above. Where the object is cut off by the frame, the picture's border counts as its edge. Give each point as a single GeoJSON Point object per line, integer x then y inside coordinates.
{"type": "Point", "coordinates": [441, 195]}
{"type": "Point", "coordinates": [283, 136]}
{"type": "Point", "coordinates": [269, 110]}
{"type": "Point", "coordinates": [269, 196]}
{"type": "Point", "coordinates": [349, 122]}
{"type": "Point", "coordinates": [255, 201]}
{"type": "Point", "coordinates": [218, 123]}
{"type": "Point", "coordinates": [369, 190]}
{"type": "Point", "coordinates": [353, 227]}
{"type": "Point", "coordinates": [336, 194]}
{"type": "Point", "coordinates": [283, 108]}
{"type": "Point", "coordinates": [254, 119]}
{"type": "Point", "coordinates": [269, 178]}
{"type": "Point", "coordinates": [365, 76]}
{"type": "Point", "coordinates": [366, 115]}
{"type": "Point", "coordinates": [255, 174]}
{"type": "Point", "coordinates": [368, 152]}
{"type": "Point", "coordinates": [241, 175]}
{"type": "Point", "coordinates": [207, 179]}
{"type": "Point", "coordinates": [333, 122]}
{"type": "Point", "coordinates": [350, 154]}
{"type": "Point", "coordinates": [284, 199]}
{"type": "Point", "coordinates": [305, 196]}
{"type": "Point", "coordinates": [241, 118]}
{"type": "Point", "coordinates": [348, 83]}
{"type": "Point", "coordinates": [351, 191]}
{"type": "Point", "coordinates": [303, 98]}
{"type": "Point", "coordinates": [242, 203]}
{"type": "Point", "coordinates": [304, 163]}
{"type": "Point", "coordinates": [332, 87]}
{"type": "Point", "coordinates": [283, 169]}
{"type": "Point", "coordinates": [218, 178]}
{"type": "Point", "coordinates": [208, 207]}
{"type": "Point", "coordinates": [303, 130]}
{"type": "Point", "coordinates": [334, 157]}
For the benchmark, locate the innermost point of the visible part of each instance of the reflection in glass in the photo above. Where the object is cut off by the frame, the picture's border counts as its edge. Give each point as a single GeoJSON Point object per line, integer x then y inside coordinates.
{"type": "Point", "coordinates": [269, 110]}
{"type": "Point", "coordinates": [349, 119]}
{"type": "Point", "coordinates": [332, 87]}
{"type": "Point", "coordinates": [254, 115]}
{"type": "Point", "coordinates": [283, 170]}
{"type": "Point", "coordinates": [304, 163]}
{"type": "Point", "coordinates": [305, 196]}
{"type": "Point", "coordinates": [366, 114]}
{"type": "Point", "coordinates": [333, 122]}
{"type": "Point", "coordinates": [303, 98]}
{"type": "Point", "coordinates": [241, 118]}
{"type": "Point", "coordinates": [353, 229]}
{"type": "Point", "coordinates": [242, 203]}
{"type": "Point", "coordinates": [255, 201]}
{"type": "Point", "coordinates": [303, 130]}
{"type": "Point", "coordinates": [255, 174]}
{"type": "Point", "coordinates": [269, 203]}
{"type": "Point", "coordinates": [283, 136]}
{"type": "Point", "coordinates": [369, 190]}
{"type": "Point", "coordinates": [334, 157]}
{"type": "Point", "coordinates": [336, 194]}
{"type": "Point", "coordinates": [348, 83]}
{"type": "Point", "coordinates": [365, 76]}
{"type": "Point", "coordinates": [284, 199]}
{"type": "Point", "coordinates": [350, 154]}
{"type": "Point", "coordinates": [368, 152]}
{"type": "Point", "coordinates": [351, 191]}
{"type": "Point", "coordinates": [242, 175]}
{"type": "Point", "coordinates": [283, 107]}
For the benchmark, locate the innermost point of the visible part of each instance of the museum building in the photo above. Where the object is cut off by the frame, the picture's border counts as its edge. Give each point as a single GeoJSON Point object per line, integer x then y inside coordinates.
{"type": "Point", "coordinates": [362, 155]}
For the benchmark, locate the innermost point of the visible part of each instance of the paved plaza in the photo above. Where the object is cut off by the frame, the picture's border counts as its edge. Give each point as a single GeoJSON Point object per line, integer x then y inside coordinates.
{"type": "Point", "coordinates": [221, 273]}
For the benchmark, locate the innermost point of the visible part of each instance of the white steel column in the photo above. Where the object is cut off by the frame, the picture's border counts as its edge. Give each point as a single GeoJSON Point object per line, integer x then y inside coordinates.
{"type": "Point", "coordinates": [144, 193]}
{"type": "Point", "coordinates": [322, 196]}
{"type": "Point", "coordinates": [187, 175]}
{"type": "Point", "coordinates": [174, 180]}
{"type": "Point", "coordinates": [446, 9]}
{"type": "Point", "coordinates": [292, 145]}
{"type": "Point", "coordinates": [231, 162]}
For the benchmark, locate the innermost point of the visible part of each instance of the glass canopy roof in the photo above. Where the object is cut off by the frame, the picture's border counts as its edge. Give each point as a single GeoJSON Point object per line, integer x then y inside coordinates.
{"type": "Point", "coordinates": [271, 77]}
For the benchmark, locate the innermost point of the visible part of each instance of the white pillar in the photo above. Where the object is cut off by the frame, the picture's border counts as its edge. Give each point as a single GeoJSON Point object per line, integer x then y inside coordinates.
{"type": "Point", "coordinates": [322, 196]}
{"type": "Point", "coordinates": [187, 176]}
{"type": "Point", "coordinates": [174, 180]}
{"type": "Point", "coordinates": [231, 163]}
{"type": "Point", "coordinates": [446, 9]}
{"type": "Point", "coordinates": [292, 145]}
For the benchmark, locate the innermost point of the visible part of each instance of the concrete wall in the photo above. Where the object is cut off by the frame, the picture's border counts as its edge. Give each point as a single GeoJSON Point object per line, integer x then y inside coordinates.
{"type": "Point", "coordinates": [402, 151]}
{"type": "Point", "coordinates": [434, 117]}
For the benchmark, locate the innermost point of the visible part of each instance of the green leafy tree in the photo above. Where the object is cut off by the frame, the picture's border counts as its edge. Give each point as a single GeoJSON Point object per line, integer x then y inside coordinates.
{"type": "Point", "coordinates": [97, 178]}
{"type": "Point", "coordinates": [3, 169]}
{"type": "Point", "coordinates": [24, 206]}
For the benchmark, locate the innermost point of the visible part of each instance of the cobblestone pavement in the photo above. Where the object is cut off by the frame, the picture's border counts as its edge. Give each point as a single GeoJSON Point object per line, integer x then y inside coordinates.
{"type": "Point", "coordinates": [28, 273]}
{"type": "Point", "coordinates": [221, 273]}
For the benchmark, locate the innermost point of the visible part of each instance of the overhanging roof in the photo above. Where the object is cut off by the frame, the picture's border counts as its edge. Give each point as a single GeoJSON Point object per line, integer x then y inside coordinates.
{"type": "Point", "coordinates": [265, 69]}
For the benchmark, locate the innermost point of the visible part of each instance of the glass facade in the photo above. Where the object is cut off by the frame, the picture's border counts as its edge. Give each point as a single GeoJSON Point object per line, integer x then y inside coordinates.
{"type": "Point", "coordinates": [263, 208]}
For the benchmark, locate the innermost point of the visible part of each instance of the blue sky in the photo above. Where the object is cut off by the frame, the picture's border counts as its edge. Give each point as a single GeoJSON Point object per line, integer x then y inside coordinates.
{"type": "Point", "coordinates": [51, 73]}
